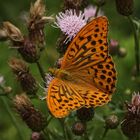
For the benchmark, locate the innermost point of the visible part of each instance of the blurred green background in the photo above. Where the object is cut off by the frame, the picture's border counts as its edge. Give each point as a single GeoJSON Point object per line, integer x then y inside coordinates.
{"type": "Point", "coordinates": [119, 29]}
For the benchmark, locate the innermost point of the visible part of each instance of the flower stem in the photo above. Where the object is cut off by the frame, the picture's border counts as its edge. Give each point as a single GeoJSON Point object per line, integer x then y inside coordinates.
{"type": "Point", "coordinates": [13, 119]}
{"type": "Point", "coordinates": [62, 121]}
{"type": "Point", "coordinates": [136, 40]}
{"type": "Point", "coordinates": [42, 73]}
{"type": "Point", "coordinates": [97, 10]}
{"type": "Point", "coordinates": [105, 133]}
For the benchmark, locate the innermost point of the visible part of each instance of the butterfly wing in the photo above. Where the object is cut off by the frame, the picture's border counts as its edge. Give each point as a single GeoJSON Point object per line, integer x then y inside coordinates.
{"type": "Point", "coordinates": [89, 47]}
{"type": "Point", "coordinates": [64, 97]}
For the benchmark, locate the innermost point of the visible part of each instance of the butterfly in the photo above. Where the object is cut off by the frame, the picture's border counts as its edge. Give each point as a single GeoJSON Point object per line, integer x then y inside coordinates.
{"type": "Point", "coordinates": [87, 75]}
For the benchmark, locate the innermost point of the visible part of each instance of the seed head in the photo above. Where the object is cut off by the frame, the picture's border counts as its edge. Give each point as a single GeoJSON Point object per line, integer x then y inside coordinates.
{"type": "Point", "coordinates": [31, 116]}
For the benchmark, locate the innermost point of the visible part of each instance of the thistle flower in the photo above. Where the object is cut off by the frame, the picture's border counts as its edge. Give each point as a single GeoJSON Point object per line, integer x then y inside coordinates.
{"type": "Point", "coordinates": [32, 117]}
{"type": "Point", "coordinates": [90, 12]}
{"type": "Point", "coordinates": [49, 78]}
{"type": "Point", "coordinates": [70, 23]}
{"type": "Point", "coordinates": [125, 7]}
{"type": "Point", "coordinates": [37, 21]}
{"type": "Point", "coordinates": [21, 70]}
{"type": "Point", "coordinates": [131, 124]}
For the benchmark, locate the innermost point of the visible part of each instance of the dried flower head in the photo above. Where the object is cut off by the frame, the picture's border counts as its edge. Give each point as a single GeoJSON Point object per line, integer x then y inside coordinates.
{"type": "Point", "coordinates": [90, 12]}
{"type": "Point", "coordinates": [37, 21]}
{"type": "Point", "coordinates": [32, 117]}
{"type": "Point", "coordinates": [28, 50]}
{"type": "Point", "coordinates": [21, 70]}
{"type": "Point", "coordinates": [18, 65]}
{"type": "Point", "coordinates": [70, 23]}
{"type": "Point", "coordinates": [12, 32]}
{"type": "Point", "coordinates": [131, 124]}
{"type": "Point", "coordinates": [3, 35]}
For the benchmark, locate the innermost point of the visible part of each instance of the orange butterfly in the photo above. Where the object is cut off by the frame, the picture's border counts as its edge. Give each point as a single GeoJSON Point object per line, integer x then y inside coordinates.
{"type": "Point", "coordinates": [87, 76]}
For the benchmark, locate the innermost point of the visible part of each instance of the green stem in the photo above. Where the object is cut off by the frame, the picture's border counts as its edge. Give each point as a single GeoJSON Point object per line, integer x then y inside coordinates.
{"type": "Point", "coordinates": [97, 10]}
{"type": "Point", "coordinates": [13, 119]}
{"type": "Point", "coordinates": [105, 133]}
{"type": "Point", "coordinates": [42, 73]}
{"type": "Point", "coordinates": [62, 121]}
{"type": "Point", "coordinates": [136, 40]}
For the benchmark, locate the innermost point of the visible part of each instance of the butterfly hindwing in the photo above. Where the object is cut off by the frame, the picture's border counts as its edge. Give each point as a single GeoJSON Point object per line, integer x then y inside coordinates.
{"type": "Point", "coordinates": [62, 98]}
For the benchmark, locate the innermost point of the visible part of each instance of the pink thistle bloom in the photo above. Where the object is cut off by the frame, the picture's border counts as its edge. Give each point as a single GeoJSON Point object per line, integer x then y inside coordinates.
{"type": "Point", "coordinates": [134, 107]}
{"type": "Point", "coordinates": [90, 11]}
{"type": "Point", "coordinates": [70, 23]}
{"type": "Point", "coordinates": [48, 78]}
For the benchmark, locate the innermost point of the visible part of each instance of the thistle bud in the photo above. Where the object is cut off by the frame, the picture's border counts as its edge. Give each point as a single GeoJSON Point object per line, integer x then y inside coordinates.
{"type": "Point", "coordinates": [131, 124]}
{"type": "Point", "coordinates": [111, 122]}
{"type": "Point", "coordinates": [21, 70]}
{"type": "Point", "coordinates": [125, 7]}
{"type": "Point", "coordinates": [32, 117]}
{"type": "Point", "coordinates": [79, 128]}
{"type": "Point", "coordinates": [85, 114]}
{"type": "Point", "coordinates": [75, 4]}
{"type": "Point", "coordinates": [122, 52]}
{"type": "Point", "coordinates": [36, 23]}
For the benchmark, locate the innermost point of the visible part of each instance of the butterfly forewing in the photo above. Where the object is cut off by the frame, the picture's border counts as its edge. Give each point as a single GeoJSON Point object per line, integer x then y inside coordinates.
{"type": "Point", "coordinates": [89, 47]}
